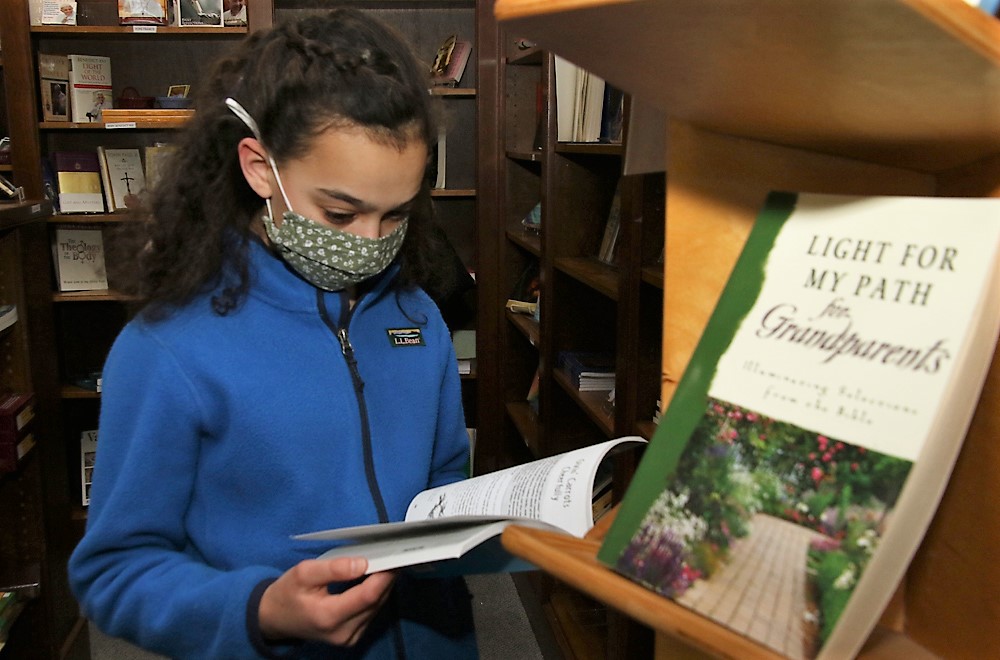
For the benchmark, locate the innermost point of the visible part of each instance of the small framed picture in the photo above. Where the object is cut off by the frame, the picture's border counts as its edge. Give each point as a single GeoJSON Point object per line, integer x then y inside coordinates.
{"type": "Point", "coordinates": [178, 90]}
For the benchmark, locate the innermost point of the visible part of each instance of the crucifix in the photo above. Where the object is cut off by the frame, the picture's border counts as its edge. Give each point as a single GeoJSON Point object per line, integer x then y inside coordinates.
{"type": "Point", "coordinates": [127, 179]}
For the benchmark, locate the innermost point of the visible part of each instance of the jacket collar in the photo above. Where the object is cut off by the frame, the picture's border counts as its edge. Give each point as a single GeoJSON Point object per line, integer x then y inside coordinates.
{"type": "Point", "coordinates": [274, 282]}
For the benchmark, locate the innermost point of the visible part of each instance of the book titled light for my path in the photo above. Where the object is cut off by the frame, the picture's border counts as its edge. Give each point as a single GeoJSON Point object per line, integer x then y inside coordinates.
{"type": "Point", "coordinates": [810, 439]}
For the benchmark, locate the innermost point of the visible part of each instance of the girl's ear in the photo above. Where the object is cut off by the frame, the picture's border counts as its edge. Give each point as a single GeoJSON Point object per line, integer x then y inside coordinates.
{"type": "Point", "coordinates": [255, 166]}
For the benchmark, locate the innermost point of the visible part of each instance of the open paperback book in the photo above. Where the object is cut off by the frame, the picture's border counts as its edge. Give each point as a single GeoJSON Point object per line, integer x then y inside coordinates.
{"type": "Point", "coordinates": [455, 529]}
{"type": "Point", "coordinates": [802, 456]}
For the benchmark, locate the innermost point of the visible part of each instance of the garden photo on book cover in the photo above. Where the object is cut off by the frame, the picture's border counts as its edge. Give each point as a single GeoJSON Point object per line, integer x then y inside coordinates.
{"type": "Point", "coordinates": [806, 446]}
{"type": "Point", "coordinates": [749, 485]}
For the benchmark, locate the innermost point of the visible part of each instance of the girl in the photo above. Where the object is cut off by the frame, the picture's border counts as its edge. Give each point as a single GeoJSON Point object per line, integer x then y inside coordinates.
{"type": "Point", "coordinates": [259, 394]}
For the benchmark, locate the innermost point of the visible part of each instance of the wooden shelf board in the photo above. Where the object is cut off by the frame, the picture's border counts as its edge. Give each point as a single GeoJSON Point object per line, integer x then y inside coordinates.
{"type": "Point", "coordinates": [527, 325]}
{"type": "Point", "coordinates": [143, 31]}
{"type": "Point", "coordinates": [6, 168]}
{"type": "Point", "coordinates": [77, 392]}
{"type": "Point", "coordinates": [574, 561]}
{"type": "Point", "coordinates": [526, 423]}
{"type": "Point", "coordinates": [89, 296]}
{"type": "Point", "coordinates": [15, 214]}
{"type": "Point", "coordinates": [530, 241]}
{"type": "Point", "coordinates": [88, 218]}
{"type": "Point", "coordinates": [593, 403]}
{"type": "Point", "coordinates": [594, 148]}
{"type": "Point", "coordinates": [161, 124]}
{"type": "Point", "coordinates": [531, 156]}
{"type": "Point", "coordinates": [533, 55]}
{"type": "Point", "coordinates": [453, 192]}
{"type": "Point", "coordinates": [592, 272]}
{"type": "Point", "coordinates": [653, 275]}
{"type": "Point", "coordinates": [453, 91]}
{"type": "Point", "coordinates": [906, 83]}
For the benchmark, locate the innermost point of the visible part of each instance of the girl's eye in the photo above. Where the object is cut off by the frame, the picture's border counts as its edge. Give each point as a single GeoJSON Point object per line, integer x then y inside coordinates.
{"type": "Point", "coordinates": [339, 217]}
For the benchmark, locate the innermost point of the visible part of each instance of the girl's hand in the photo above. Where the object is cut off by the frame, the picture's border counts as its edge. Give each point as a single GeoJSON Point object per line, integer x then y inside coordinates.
{"type": "Point", "coordinates": [298, 605]}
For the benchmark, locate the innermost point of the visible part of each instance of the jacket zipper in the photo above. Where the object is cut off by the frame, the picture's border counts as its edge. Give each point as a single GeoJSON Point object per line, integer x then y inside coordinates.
{"type": "Point", "coordinates": [341, 332]}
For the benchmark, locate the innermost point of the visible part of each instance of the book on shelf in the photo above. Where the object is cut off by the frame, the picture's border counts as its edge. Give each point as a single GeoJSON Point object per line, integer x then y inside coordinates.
{"type": "Point", "coordinates": [12, 603]}
{"type": "Point", "coordinates": [79, 259]}
{"type": "Point", "coordinates": [815, 428]}
{"type": "Point", "coordinates": [455, 529]}
{"type": "Point", "coordinates": [50, 187]}
{"type": "Point", "coordinates": [589, 371]}
{"type": "Point", "coordinates": [78, 181]}
{"type": "Point", "coordinates": [534, 389]}
{"type": "Point", "coordinates": [612, 115]}
{"type": "Point", "coordinates": [465, 349]}
{"type": "Point", "coordinates": [437, 170]}
{"type": "Point", "coordinates": [122, 177]}
{"type": "Point", "coordinates": [579, 103]}
{"type": "Point", "coordinates": [524, 298]}
{"type": "Point", "coordinates": [199, 13]}
{"type": "Point", "coordinates": [58, 12]}
{"type": "Point", "coordinates": [450, 62]}
{"type": "Point", "coordinates": [89, 86]}
{"type": "Point", "coordinates": [235, 13]}
{"type": "Point", "coordinates": [8, 191]}
{"type": "Point", "coordinates": [532, 220]}
{"type": "Point", "coordinates": [157, 157]}
{"type": "Point", "coordinates": [53, 86]}
{"type": "Point", "coordinates": [88, 453]}
{"type": "Point", "coordinates": [612, 229]}
{"type": "Point", "coordinates": [17, 410]}
{"type": "Point", "coordinates": [8, 316]}
{"type": "Point", "coordinates": [143, 12]}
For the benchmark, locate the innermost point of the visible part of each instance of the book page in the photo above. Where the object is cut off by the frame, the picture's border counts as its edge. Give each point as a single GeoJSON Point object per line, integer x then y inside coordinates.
{"type": "Point", "coordinates": [557, 490]}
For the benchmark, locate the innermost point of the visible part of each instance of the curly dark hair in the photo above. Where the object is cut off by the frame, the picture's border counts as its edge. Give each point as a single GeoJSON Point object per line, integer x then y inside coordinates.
{"type": "Point", "coordinates": [296, 79]}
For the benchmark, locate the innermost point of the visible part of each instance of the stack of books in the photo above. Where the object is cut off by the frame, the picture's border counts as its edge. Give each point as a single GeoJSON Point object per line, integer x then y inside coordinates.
{"type": "Point", "coordinates": [589, 371]}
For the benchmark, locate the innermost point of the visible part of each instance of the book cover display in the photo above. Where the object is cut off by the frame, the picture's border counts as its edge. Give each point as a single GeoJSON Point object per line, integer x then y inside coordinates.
{"type": "Point", "coordinates": [450, 62]}
{"type": "Point", "coordinates": [78, 181]}
{"type": "Point", "coordinates": [90, 86]}
{"type": "Point", "coordinates": [200, 13]}
{"type": "Point", "coordinates": [809, 441]}
{"type": "Point", "coordinates": [53, 78]}
{"type": "Point", "coordinates": [122, 176]}
{"type": "Point", "coordinates": [79, 259]}
{"type": "Point", "coordinates": [142, 12]}
{"type": "Point", "coordinates": [58, 12]}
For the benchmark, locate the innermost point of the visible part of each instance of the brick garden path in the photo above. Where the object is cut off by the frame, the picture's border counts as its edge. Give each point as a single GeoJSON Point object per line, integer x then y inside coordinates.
{"type": "Point", "coordinates": [761, 590]}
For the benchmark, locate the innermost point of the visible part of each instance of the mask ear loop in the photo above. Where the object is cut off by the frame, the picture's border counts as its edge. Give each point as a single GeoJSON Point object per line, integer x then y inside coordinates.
{"type": "Point", "coordinates": [244, 116]}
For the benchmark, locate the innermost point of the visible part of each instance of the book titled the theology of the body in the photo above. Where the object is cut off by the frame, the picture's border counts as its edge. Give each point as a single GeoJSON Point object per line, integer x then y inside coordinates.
{"type": "Point", "coordinates": [455, 529]}
{"type": "Point", "coordinates": [809, 441]}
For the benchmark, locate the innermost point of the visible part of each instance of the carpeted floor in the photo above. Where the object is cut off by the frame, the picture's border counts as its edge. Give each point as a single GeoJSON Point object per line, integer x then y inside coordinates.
{"type": "Point", "coordinates": [502, 626]}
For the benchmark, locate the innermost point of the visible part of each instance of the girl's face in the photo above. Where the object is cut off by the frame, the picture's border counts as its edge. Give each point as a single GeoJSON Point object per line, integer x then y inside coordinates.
{"type": "Point", "coordinates": [352, 182]}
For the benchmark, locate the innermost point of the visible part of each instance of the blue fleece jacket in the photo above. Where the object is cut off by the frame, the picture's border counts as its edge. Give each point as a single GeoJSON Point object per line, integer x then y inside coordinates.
{"type": "Point", "coordinates": [222, 436]}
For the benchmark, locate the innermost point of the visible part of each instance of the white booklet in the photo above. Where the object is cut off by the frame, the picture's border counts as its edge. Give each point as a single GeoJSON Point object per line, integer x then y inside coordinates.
{"type": "Point", "coordinates": [455, 529]}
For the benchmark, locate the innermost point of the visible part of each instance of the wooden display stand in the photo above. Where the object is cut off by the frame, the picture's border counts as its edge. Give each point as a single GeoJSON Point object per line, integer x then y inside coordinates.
{"type": "Point", "coordinates": [875, 97]}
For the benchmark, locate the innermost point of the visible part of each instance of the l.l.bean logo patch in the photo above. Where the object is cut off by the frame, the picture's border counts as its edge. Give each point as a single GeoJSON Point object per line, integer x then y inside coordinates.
{"type": "Point", "coordinates": [405, 336]}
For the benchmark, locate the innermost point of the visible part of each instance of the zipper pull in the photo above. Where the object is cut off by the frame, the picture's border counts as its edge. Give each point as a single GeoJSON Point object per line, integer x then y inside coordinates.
{"type": "Point", "coordinates": [345, 344]}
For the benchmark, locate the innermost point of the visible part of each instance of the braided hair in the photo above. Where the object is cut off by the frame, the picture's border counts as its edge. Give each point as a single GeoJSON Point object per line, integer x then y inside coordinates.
{"type": "Point", "coordinates": [301, 77]}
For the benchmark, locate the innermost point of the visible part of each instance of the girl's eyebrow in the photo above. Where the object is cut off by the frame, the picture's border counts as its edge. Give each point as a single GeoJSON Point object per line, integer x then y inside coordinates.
{"type": "Point", "coordinates": [362, 206]}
